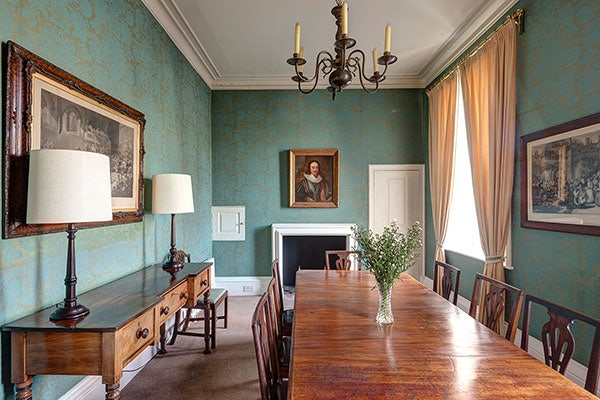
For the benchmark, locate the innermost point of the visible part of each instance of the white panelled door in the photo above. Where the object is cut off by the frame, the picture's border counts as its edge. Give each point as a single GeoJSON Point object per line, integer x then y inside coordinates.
{"type": "Point", "coordinates": [398, 191]}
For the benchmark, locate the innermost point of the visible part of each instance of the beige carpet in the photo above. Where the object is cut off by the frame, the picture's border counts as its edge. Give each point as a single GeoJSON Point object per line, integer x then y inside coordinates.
{"type": "Point", "coordinates": [228, 373]}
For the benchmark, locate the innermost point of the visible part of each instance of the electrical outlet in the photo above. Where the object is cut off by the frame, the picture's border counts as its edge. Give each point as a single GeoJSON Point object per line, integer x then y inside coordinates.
{"type": "Point", "coordinates": [247, 288]}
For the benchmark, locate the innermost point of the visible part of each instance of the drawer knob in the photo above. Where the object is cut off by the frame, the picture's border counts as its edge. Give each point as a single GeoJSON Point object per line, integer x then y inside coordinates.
{"type": "Point", "coordinates": [142, 333]}
{"type": "Point", "coordinates": [184, 295]}
{"type": "Point", "coordinates": [164, 310]}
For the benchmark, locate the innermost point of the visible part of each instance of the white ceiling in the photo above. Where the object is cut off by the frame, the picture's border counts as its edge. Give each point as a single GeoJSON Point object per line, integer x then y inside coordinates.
{"type": "Point", "coordinates": [241, 44]}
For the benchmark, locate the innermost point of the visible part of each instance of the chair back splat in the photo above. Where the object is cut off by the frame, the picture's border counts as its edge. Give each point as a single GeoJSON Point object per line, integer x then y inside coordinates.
{"type": "Point", "coordinates": [344, 259]}
{"type": "Point", "coordinates": [286, 316]}
{"type": "Point", "coordinates": [449, 283]}
{"type": "Point", "coordinates": [558, 340]}
{"type": "Point", "coordinates": [490, 297]}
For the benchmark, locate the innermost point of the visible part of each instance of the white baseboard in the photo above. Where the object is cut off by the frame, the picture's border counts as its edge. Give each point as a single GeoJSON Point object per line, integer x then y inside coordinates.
{"type": "Point", "coordinates": [575, 371]}
{"type": "Point", "coordinates": [244, 285]}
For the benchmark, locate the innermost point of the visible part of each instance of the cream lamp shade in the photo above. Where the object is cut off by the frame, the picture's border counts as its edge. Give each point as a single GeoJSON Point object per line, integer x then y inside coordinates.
{"type": "Point", "coordinates": [68, 186]}
{"type": "Point", "coordinates": [172, 194]}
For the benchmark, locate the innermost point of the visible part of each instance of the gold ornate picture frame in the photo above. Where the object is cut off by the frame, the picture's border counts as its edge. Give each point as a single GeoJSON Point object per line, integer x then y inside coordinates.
{"type": "Point", "coordinates": [314, 178]}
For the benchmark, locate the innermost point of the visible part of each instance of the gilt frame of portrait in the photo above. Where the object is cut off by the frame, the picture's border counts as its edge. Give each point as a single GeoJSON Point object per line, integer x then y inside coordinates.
{"type": "Point", "coordinates": [314, 178]}
{"type": "Point", "coordinates": [48, 108]}
{"type": "Point", "coordinates": [560, 177]}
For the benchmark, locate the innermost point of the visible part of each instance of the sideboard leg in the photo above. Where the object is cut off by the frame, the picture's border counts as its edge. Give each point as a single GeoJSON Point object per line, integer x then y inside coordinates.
{"type": "Point", "coordinates": [23, 390]}
{"type": "Point", "coordinates": [162, 347]}
{"type": "Point", "coordinates": [113, 392]}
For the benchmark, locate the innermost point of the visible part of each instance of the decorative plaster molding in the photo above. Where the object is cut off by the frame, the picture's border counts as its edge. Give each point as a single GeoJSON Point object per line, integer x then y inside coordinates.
{"type": "Point", "coordinates": [170, 18]}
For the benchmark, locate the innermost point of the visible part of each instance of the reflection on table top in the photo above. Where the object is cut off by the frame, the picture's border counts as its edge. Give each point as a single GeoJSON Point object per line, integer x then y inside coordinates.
{"type": "Point", "coordinates": [433, 350]}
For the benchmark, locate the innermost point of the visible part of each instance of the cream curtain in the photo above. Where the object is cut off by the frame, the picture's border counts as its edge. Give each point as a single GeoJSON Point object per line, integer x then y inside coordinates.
{"type": "Point", "coordinates": [489, 84]}
{"type": "Point", "coordinates": [442, 143]}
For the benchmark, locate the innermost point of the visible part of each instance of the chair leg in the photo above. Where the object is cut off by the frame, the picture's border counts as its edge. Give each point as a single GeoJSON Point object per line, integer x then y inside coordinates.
{"type": "Point", "coordinates": [175, 328]}
{"type": "Point", "coordinates": [213, 326]}
{"type": "Point", "coordinates": [186, 322]}
{"type": "Point", "coordinates": [225, 316]}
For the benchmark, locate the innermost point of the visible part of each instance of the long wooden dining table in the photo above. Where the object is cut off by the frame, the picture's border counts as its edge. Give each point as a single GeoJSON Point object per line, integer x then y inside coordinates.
{"type": "Point", "coordinates": [433, 350]}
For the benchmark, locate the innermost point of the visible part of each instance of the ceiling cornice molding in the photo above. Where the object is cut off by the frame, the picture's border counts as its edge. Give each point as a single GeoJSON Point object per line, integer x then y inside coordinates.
{"type": "Point", "coordinates": [285, 83]}
{"type": "Point", "coordinates": [170, 18]}
{"type": "Point", "coordinates": [464, 37]}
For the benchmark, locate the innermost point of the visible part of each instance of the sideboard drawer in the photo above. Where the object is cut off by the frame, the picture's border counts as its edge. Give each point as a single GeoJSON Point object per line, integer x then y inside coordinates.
{"type": "Point", "coordinates": [200, 284]}
{"type": "Point", "coordinates": [173, 301]}
{"type": "Point", "coordinates": [135, 335]}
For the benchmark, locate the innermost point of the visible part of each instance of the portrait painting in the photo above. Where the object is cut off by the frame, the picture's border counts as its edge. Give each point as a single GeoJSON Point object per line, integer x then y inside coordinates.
{"type": "Point", "coordinates": [314, 178]}
{"type": "Point", "coordinates": [560, 177]}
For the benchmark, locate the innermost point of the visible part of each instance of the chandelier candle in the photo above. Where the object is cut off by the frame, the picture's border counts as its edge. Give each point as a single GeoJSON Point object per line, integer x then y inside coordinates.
{"type": "Point", "coordinates": [375, 65]}
{"type": "Point", "coordinates": [388, 38]}
{"type": "Point", "coordinates": [297, 39]}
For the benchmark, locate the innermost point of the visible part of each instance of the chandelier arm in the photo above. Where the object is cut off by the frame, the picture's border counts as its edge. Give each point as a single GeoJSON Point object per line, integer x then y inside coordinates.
{"type": "Point", "coordinates": [359, 62]}
{"type": "Point", "coordinates": [325, 59]}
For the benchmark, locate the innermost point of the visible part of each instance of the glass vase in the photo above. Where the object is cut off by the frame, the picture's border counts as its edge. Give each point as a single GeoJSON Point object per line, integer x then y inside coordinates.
{"type": "Point", "coordinates": [384, 313]}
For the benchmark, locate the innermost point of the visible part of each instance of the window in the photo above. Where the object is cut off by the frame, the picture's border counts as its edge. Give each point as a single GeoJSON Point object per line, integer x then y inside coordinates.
{"type": "Point", "coordinates": [462, 235]}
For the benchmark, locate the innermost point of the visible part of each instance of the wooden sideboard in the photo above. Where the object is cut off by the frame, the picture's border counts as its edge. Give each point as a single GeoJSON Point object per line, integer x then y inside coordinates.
{"type": "Point", "coordinates": [126, 317]}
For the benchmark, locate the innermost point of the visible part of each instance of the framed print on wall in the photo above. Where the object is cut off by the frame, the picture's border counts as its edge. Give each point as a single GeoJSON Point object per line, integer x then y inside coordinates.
{"type": "Point", "coordinates": [314, 178]}
{"type": "Point", "coordinates": [560, 177]}
{"type": "Point", "coordinates": [48, 108]}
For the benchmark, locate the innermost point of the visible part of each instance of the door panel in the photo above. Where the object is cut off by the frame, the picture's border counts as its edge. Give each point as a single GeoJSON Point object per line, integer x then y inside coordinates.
{"type": "Point", "coordinates": [398, 192]}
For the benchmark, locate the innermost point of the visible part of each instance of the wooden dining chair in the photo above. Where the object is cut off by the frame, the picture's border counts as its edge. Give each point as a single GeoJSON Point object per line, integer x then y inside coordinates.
{"type": "Point", "coordinates": [272, 387]}
{"type": "Point", "coordinates": [490, 297]}
{"type": "Point", "coordinates": [449, 283]}
{"type": "Point", "coordinates": [343, 259]}
{"type": "Point", "coordinates": [558, 340]}
{"type": "Point", "coordinates": [286, 316]}
{"type": "Point", "coordinates": [283, 343]}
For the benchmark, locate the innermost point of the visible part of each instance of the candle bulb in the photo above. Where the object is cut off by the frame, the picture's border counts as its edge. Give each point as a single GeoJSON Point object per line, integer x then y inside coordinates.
{"type": "Point", "coordinates": [301, 67]}
{"type": "Point", "coordinates": [297, 39]}
{"type": "Point", "coordinates": [345, 18]}
{"type": "Point", "coordinates": [375, 65]}
{"type": "Point", "coordinates": [388, 38]}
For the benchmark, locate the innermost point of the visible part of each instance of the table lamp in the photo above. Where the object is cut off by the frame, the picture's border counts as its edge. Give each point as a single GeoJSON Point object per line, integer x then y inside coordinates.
{"type": "Point", "coordinates": [172, 194]}
{"type": "Point", "coordinates": [68, 186]}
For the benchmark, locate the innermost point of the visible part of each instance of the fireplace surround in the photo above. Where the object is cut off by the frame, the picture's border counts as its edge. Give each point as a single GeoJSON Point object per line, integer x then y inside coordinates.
{"type": "Point", "coordinates": [323, 232]}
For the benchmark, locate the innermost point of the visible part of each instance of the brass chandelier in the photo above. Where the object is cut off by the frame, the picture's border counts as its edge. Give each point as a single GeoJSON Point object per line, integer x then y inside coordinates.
{"type": "Point", "coordinates": [341, 68]}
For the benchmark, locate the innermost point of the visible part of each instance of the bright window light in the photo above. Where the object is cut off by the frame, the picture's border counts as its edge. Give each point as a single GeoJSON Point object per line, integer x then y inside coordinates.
{"type": "Point", "coordinates": [462, 235]}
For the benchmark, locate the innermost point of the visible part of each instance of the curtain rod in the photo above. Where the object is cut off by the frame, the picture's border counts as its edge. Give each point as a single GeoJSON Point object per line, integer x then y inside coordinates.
{"type": "Point", "coordinates": [516, 17]}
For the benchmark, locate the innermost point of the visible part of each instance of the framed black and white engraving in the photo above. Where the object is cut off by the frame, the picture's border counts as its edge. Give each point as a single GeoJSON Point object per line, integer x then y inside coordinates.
{"type": "Point", "coordinates": [47, 108]}
{"type": "Point", "coordinates": [560, 177]}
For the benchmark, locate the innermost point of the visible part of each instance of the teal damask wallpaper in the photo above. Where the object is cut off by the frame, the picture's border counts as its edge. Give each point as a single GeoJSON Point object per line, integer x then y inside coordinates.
{"type": "Point", "coordinates": [252, 132]}
{"type": "Point", "coordinates": [235, 144]}
{"type": "Point", "coordinates": [124, 52]}
{"type": "Point", "coordinates": [558, 71]}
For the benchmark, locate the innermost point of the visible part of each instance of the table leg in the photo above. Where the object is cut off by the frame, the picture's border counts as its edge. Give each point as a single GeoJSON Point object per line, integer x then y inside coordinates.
{"type": "Point", "coordinates": [207, 322]}
{"type": "Point", "coordinates": [113, 392]}
{"type": "Point", "coordinates": [23, 390]}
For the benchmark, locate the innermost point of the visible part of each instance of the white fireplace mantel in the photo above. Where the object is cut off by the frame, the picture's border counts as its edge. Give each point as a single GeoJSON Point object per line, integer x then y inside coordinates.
{"type": "Point", "coordinates": [278, 231]}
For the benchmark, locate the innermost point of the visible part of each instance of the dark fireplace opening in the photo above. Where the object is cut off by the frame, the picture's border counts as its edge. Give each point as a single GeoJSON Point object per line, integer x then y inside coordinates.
{"type": "Point", "coordinates": [307, 252]}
